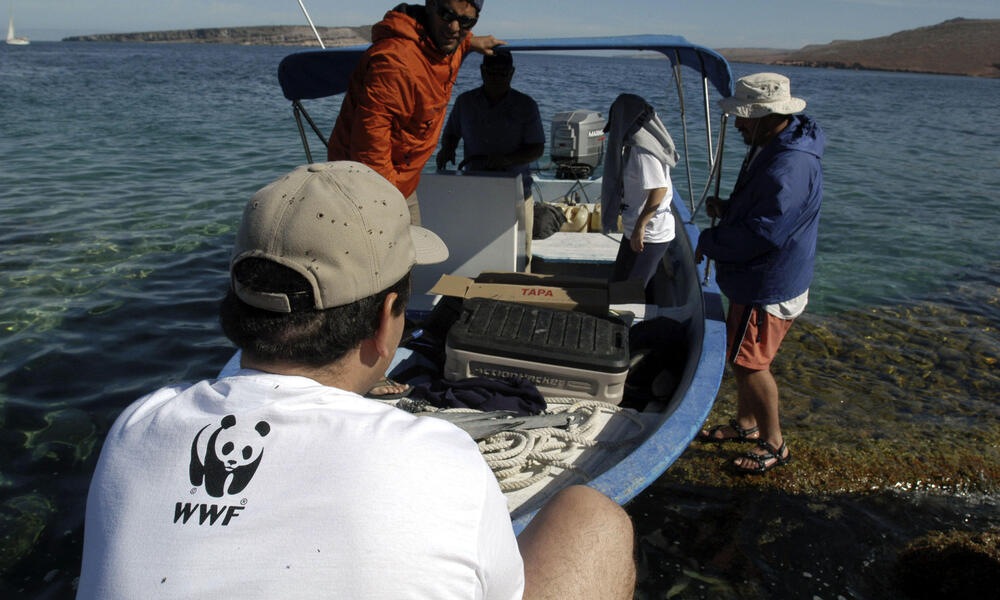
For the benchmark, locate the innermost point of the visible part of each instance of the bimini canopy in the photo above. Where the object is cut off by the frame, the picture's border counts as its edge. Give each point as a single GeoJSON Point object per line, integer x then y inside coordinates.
{"type": "Point", "coordinates": [321, 73]}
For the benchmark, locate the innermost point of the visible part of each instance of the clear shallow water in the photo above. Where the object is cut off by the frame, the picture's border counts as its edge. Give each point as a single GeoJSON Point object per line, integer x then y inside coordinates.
{"type": "Point", "coordinates": [124, 168]}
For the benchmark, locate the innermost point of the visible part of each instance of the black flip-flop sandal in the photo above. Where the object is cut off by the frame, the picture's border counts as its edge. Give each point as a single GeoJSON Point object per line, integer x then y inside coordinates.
{"type": "Point", "coordinates": [742, 435]}
{"type": "Point", "coordinates": [762, 459]}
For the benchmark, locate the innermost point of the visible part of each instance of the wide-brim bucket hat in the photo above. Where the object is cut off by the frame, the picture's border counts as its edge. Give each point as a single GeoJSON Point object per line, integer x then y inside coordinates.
{"type": "Point", "coordinates": [762, 94]}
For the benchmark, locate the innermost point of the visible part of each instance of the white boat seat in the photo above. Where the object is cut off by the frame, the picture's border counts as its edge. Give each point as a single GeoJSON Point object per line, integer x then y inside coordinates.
{"type": "Point", "coordinates": [573, 247]}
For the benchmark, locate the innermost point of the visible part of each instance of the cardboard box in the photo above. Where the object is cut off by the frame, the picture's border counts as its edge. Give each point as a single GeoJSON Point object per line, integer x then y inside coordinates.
{"type": "Point", "coordinates": [592, 296]}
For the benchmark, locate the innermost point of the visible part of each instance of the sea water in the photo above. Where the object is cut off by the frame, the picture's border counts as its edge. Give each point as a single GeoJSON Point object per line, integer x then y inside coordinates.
{"type": "Point", "coordinates": [124, 169]}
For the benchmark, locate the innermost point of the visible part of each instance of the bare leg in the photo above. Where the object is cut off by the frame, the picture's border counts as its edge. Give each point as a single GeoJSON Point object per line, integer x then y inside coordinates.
{"type": "Point", "coordinates": [746, 416]}
{"type": "Point", "coordinates": [758, 400]}
{"type": "Point", "coordinates": [580, 545]}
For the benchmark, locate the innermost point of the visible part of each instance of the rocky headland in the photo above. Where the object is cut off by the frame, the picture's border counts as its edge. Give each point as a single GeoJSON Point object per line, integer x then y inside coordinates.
{"type": "Point", "coordinates": [954, 47]}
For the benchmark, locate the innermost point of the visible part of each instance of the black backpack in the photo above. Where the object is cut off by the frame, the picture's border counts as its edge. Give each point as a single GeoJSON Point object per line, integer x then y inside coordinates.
{"type": "Point", "coordinates": [548, 220]}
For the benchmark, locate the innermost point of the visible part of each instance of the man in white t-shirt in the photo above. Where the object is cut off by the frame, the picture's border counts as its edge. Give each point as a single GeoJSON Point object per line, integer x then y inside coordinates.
{"type": "Point", "coordinates": [636, 184]}
{"type": "Point", "coordinates": [283, 481]}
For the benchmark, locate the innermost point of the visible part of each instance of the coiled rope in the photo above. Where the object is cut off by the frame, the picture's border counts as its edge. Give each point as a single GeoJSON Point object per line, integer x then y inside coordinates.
{"type": "Point", "coordinates": [521, 458]}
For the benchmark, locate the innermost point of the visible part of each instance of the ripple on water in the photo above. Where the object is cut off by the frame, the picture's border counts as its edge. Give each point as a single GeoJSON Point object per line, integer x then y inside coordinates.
{"type": "Point", "coordinates": [127, 166]}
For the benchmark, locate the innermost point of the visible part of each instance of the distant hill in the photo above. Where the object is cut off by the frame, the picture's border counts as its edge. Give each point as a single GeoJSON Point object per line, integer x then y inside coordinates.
{"type": "Point", "coordinates": [955, 47]}
{"type": "Point", "coordinates": [266, 35]}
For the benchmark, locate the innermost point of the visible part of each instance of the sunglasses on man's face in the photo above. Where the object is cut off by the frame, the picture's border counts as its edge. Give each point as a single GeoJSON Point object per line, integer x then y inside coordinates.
{"type": "Point", "coordinates": [447, 15]}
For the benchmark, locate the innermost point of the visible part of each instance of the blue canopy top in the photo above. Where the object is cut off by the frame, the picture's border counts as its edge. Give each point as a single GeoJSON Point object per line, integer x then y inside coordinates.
{"type": "Point", "coordinates": [321, 73]}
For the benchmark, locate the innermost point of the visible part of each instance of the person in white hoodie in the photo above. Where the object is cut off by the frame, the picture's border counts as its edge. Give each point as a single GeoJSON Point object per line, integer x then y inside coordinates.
{"type": "Point", "coordinates": [637, 186]}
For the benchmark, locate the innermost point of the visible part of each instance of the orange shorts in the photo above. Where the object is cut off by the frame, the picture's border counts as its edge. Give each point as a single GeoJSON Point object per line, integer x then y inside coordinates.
{"type": "Point", "coordinates": [759, 338]}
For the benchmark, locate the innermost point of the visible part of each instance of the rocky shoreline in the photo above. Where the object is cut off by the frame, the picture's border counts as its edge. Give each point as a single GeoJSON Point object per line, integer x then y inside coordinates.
{"type": "Point", "coordinates": [955, 47]}
{"type": "Point", "coordinates": [265, 35]}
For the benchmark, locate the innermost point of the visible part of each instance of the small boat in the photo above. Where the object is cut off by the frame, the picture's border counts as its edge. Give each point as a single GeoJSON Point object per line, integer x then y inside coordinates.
{"type": "Point", "coordinates": [12, 39]}
{"type": "Point", "coordinates": [672, 378]}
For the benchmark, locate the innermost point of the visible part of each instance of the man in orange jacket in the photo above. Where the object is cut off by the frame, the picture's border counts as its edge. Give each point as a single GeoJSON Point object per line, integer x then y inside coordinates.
{"type": "Point", "coordinates": [398, 94]}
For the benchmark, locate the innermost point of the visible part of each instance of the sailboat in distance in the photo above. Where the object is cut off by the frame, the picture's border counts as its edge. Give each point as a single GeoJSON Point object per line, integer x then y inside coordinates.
{"type": "Point", "coordinates": [12, 39]}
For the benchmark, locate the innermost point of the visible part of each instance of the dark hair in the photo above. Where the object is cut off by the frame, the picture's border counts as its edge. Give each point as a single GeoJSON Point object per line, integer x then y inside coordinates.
{"type": "Point", "coordinates": [308, 336]}
{"type": "Point", "coordinates": [501, 57]}
{"type": "Point", "coordinates": [471, 3]}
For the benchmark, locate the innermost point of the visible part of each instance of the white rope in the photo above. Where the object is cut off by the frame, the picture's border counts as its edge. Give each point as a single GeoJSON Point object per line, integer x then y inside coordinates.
{"type": "Point", "coordinates": [521, 458]}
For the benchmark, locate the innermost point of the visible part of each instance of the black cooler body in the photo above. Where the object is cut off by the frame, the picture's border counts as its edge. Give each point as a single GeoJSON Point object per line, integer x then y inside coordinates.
{"type": "Point", "coordinates": [564, 353]}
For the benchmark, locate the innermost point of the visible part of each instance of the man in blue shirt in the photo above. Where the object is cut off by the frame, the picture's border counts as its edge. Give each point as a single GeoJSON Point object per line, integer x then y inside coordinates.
{"type": "Point", "coordinates": [500, 127]}
{"type": "Point", "coordinates": [764, 247]}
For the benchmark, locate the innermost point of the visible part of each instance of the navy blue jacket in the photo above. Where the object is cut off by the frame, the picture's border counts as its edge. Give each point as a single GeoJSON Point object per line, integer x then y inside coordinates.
{"type": "Point", "coordinates": [765, 244]}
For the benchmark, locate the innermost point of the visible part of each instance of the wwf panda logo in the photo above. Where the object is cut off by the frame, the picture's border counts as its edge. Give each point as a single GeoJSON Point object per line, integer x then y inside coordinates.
{"type": "Point", "coordinates": [231, 454]}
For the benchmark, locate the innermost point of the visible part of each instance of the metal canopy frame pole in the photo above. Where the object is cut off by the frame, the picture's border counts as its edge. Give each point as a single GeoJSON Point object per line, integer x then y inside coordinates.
{"type": "Point", "coordinates": [716, 173]}
{"type": "Point", "coordinates": [708, 123]}
{"type": "Point", "coordinates": [680, 96]}
{"type": "Point", "coordinates": [718, 160]}
{"type": "Point", "coordinates": [308, 18]}
{"type": "Point", "coordinates": [300, 113]}
{"type": "Point", "coordinates": [718, 183]}
{"type": "Point", "coordinates": [297, 111]}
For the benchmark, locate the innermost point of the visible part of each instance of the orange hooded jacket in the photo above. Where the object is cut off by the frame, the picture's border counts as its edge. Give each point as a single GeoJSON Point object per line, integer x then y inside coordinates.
{"type": "Point", "coordinates": [397, 100]}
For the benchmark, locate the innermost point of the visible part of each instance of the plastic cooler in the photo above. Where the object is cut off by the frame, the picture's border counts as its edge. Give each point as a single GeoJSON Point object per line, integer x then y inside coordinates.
{"type": "Point", "coordinates": [564, 353]}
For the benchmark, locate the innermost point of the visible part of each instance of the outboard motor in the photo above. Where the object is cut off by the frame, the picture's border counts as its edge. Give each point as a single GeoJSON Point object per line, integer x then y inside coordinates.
{"type": "Point", "coordinates": [577, 145]}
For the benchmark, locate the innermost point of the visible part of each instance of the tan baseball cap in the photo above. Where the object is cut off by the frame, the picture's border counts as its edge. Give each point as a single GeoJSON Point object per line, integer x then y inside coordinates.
{"type": "Point", "coordinates": [340, 225]}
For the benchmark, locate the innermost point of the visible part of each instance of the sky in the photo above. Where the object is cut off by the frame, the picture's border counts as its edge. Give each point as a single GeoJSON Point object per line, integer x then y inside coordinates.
{"type": "Point", "coordinates": [714, 23]}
